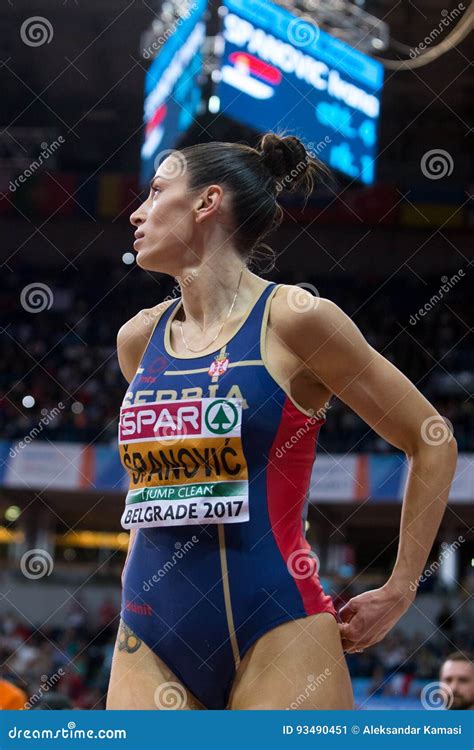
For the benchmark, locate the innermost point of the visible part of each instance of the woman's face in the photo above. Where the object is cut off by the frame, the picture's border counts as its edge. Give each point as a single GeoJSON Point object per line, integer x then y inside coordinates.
{"type": "Point", "coordinates": [166, 220]}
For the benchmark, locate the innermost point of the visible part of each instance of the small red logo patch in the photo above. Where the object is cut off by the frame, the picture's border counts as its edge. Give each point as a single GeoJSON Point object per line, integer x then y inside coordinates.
{"type": "Point", "coordinates": [139, 609]}
{"type": "Point", "coordinates": [219, 365]}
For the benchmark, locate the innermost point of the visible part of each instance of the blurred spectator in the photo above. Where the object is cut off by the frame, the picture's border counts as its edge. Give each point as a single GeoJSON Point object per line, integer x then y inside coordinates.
{"type": "Point", "coordinates": [446, 620]}
{"type": "Point", "coordinates": [457, 674]}
{"type": "Point", "coordinates": [53, 702]}
{"type": "Point", "coordinates": [11, 697]}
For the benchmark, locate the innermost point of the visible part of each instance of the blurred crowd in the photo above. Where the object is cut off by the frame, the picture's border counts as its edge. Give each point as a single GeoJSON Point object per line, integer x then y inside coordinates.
{"type": "Point", "coordinates": [69, 666]}
{"type": "Point", "coordinates": [397, 665]}
{"type": "Point", "coordinates": [58, 667]}
{"type": "Point", "coordinates": [66, 355]}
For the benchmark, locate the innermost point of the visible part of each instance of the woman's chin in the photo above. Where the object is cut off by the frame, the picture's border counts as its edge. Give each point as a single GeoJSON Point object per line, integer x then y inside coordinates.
{"type": "Point", "coordinates": [143, 260]}
{"type": "Point", "coordinates": [148, 262]}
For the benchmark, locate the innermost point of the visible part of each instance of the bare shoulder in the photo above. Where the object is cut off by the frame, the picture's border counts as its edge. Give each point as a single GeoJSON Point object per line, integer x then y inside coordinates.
{"type": "Point", "coordinates": [300, 317]}
{"type": "Point", "coordinates": [319, 333]}
{"type": "Point", "coordinates": [134, 335]}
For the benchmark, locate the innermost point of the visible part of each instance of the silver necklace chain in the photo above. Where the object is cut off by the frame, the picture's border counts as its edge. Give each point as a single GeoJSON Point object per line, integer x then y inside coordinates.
{"type": "Point", "coordinates": [221, 326]}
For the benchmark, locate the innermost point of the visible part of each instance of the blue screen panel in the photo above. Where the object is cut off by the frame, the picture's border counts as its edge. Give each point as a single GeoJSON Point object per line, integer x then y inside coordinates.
{"type": "Point", "coordinates": [279, 72]}
{"type": "Point", "coordinates": [172, 92]}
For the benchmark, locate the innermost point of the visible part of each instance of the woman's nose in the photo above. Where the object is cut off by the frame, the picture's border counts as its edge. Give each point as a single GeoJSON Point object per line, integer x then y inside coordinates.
{"type": "Point", "coordinates": [137, 218]}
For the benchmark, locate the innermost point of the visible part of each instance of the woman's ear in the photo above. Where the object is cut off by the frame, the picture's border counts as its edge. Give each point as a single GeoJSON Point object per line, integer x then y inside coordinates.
{"type": "Point", "coordinates": [210, 202]}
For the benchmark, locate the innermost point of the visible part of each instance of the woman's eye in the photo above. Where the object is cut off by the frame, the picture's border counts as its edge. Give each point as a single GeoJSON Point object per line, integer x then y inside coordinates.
{"type": "Point", "coordinates": [155, 189]}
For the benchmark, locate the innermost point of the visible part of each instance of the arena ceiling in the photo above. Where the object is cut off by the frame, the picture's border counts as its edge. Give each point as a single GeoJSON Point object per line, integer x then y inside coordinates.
{"type": "Point", "coordinates": [87, 83]}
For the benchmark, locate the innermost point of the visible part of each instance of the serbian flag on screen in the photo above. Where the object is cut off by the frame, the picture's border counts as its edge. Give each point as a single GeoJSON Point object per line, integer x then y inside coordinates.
{"type": "Point", "coordinates": [154, 131]}
{"type": "Point", "coordinates": [251, 76]}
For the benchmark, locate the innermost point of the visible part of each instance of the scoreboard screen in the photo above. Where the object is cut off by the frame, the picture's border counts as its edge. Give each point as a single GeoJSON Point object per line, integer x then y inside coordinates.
{"type": "Point", "coordinates": [172, 90]}
{"type": "Point", "coordinates": [279, 72]}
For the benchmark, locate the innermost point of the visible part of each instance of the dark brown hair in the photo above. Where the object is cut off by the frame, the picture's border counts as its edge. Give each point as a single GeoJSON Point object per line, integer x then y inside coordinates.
{"type": "Point", "coordinates": [255, 177]}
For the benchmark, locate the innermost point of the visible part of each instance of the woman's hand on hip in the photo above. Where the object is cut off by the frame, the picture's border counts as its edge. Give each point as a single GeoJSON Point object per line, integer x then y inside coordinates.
{"type": "Point", "coordinates": [368, 617]}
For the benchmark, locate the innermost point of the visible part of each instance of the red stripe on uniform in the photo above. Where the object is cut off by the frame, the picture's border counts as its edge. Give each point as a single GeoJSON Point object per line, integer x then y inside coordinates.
{"type": "Point", "coordinates": [291, 460]}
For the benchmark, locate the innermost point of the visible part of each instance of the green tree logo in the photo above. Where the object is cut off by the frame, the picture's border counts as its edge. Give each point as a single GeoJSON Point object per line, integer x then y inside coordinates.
{"type": "Point", "coordinates": [221, 417]}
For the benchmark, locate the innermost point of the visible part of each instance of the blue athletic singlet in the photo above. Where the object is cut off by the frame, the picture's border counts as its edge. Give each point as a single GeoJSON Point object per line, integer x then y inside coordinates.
{"type": "Point", "coordinates": [219, 459]}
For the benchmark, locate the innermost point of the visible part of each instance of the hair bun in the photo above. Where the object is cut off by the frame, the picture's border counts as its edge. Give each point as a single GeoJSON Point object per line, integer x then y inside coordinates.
{"type": "Point", "coordinates": [285, 158]}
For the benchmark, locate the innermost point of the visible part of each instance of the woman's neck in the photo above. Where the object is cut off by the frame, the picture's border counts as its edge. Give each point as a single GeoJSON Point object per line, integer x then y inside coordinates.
{"type": "Point", "coordinates": [207, 295]}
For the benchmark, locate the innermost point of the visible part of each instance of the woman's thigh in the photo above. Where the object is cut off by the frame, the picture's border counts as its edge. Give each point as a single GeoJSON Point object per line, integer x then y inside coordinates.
{"type": "Point", "coordinates": [297, 665]}
{"type": "Point", "coordinates": [140, 680]}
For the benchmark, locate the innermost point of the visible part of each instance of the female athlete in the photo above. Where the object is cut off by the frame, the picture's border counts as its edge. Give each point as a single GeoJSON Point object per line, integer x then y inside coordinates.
{"type": "Point", "coordinates": [222, 607]}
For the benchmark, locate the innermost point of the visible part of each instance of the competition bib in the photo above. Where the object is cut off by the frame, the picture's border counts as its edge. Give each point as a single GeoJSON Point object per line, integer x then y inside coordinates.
{"type": "Point", "coordinates": [185, 461]}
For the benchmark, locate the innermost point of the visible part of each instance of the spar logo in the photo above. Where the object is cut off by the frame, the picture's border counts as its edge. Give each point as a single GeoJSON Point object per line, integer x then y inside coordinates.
{"type": "Point", "coordinates": [250, 75]}
{"type": "Point", "coordinates": [167, 421]}
{"type": "Point", "coordinates": [221, 417]}
{"type": "Point", "coordinates": [173, 420]}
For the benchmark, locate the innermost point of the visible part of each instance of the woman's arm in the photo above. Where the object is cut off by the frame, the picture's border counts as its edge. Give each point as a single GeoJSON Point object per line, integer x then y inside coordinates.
{"type": "Point", "coordinates": [337, 355]}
